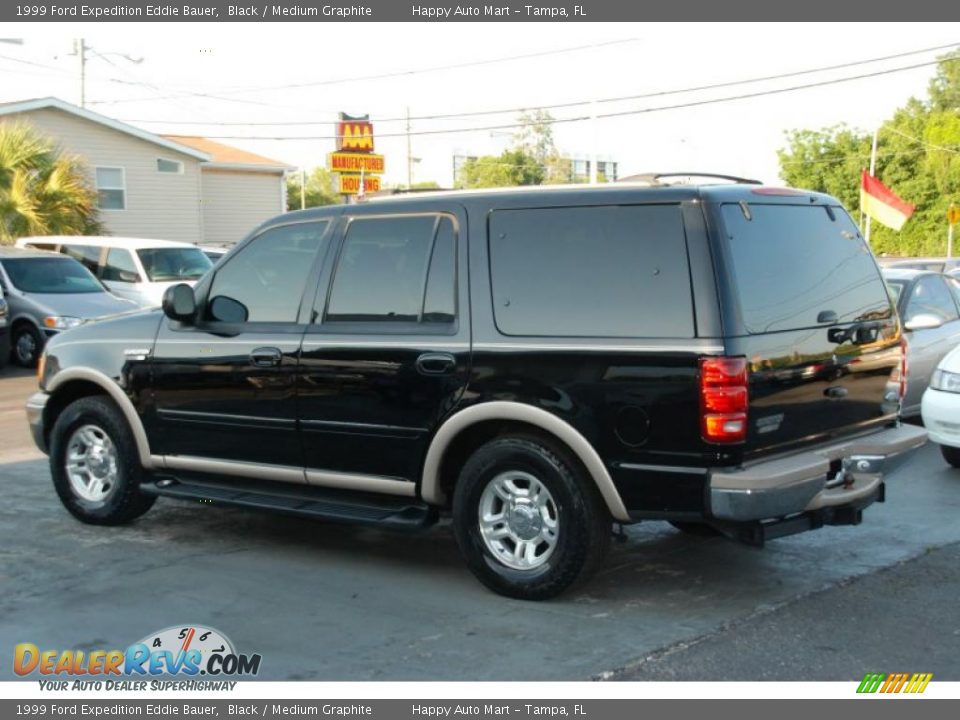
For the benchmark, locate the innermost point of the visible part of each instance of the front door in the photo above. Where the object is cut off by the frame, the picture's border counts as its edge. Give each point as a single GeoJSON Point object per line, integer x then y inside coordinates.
{"type": "Point", "coordinates": [225, 387]}
{"type": "Point", "coordinates": [389, 351]}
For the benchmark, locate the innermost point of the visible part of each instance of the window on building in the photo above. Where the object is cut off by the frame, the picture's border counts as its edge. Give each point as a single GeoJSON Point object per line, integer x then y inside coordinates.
{"type": "Point", "coordinates": [111, 188]}
{"type": "Point", "coordinates": [169, 166]}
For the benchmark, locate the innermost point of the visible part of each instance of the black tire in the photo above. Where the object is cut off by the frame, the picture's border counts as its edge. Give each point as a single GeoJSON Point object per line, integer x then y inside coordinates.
{"type": "Point", "coordinates": [125, 501]}
{"type": "Point", "coordinates": [26, 345]}
{"type": "Point", "coordinates": [951, 455]}
{"type": "Point", "coordinates": [583, 522]}
{"type": "Point", "coordinates": [700, 529]}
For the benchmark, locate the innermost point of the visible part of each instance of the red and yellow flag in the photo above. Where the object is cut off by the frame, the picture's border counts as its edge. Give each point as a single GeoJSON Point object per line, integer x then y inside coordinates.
{"type": "Point", "coordinates": [882, 204]}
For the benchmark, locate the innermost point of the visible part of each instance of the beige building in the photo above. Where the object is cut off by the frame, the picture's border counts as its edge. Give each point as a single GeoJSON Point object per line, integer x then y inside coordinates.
{"type": "Point", "coordinates": [168, 187]}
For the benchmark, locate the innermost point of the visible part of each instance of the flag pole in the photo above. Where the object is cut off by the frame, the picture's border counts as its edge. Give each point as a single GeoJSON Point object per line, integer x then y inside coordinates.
{"type": "Point", "coordinates": [873, 168]}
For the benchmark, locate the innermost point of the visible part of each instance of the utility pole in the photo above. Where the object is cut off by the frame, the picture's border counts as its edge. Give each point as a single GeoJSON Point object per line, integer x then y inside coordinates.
{"type": "Point", "coordinates": [409, 155]}
{"type": "Point", "coordinates": [303, 189]}
{"type": "Point", "coordinates": [80, 48]}
{"type": "Point", "coordinates": [594, 156]}
{"type": "Point", "coordinates": [873, 169]}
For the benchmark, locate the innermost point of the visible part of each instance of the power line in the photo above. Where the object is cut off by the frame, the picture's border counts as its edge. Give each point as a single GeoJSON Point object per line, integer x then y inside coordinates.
{"type": "Point", "coordinates": [380, 76]}
{"type": "Point", "coordinates": [623, 113]}
{"type": "Point", "coordinates": [955, 151]}
{"type": "Point", "coordinates": [578, 103]}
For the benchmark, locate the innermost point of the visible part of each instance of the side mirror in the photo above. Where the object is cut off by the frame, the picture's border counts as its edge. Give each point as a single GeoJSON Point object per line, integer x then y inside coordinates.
{"type": "Point", "coordinates": [179, 303]}
{"type": "Point", "coordinates": [226, 309]}
{"type": "Point", "coordinates": [130, 277]}
{"type": "Point", "coordinates": [923, 321]}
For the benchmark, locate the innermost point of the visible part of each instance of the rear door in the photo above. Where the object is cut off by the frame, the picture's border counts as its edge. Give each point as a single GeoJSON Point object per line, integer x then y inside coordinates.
{"type": "Point", "coordinates": [809, 310]}
{"type": "Point", "coordinates": [388, 352]}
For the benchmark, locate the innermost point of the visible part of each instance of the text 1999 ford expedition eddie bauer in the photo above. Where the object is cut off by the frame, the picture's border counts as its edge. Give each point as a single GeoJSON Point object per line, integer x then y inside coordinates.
{"type": "Point", "coordinates": [538, 364]}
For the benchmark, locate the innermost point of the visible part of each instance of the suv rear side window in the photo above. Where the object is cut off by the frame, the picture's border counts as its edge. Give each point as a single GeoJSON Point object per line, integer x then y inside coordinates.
{"type": "Point", "coordinates": [617, 271]}
{"type": "Point", "coordinates": [793, 262]}
{"type": "Point", "coordinates": [397, 269]}
{"type": "Point", "coordinates": [87, 255]}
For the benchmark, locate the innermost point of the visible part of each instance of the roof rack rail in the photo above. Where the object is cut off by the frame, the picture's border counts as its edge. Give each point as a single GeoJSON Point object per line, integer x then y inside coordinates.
{"type": "Point", "coordinates": [654, 178]}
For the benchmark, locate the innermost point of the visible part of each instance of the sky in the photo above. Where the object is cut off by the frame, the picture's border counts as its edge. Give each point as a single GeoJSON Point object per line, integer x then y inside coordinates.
{"type": "Point", "coordinates": [213, 79]}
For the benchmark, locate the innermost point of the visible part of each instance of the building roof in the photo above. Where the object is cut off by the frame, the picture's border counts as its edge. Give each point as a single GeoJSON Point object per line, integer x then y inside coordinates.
{"type": "Point", "coordinates": [24, 106]}
{"type": "Point", "coordinates": [227, 156]}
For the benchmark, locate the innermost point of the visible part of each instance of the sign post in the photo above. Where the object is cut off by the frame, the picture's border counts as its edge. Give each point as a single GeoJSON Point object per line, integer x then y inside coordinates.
{"type": "Point", "coordinates": [953, 217]}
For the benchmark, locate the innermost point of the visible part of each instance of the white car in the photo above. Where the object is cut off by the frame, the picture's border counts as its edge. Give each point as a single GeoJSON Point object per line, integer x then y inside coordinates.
{"type": "Point", "coordinates": [940, 407]}
{"type": "Point", "coordinates": [132, 268]}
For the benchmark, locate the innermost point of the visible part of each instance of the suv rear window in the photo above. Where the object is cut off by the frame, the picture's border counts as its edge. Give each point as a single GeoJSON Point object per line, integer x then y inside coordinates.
{"type": "Point", "coordinates": [617, 271]}
{"type": "Point", "coordinates": [793, 262]}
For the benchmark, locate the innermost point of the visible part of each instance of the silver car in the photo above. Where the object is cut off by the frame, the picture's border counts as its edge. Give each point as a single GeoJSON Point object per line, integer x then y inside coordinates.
{"type": "Point", "coordinates": [46, 294]}
{"type": "Point", "coordinates": [929, 307]}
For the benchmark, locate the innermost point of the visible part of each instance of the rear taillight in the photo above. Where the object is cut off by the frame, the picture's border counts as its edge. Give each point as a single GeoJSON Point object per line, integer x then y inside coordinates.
{"type": "Point", "coordinates": [723, 399]}
{"type": "Point", "coordinates": [903, 368]}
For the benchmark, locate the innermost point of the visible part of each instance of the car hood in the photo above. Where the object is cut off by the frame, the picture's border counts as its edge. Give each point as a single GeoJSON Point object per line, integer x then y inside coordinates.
{"type": "Point", "coordinates": [87, 306]}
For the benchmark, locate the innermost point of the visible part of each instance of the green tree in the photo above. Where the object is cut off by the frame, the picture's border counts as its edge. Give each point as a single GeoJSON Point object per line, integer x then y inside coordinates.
{"type": "Point", "coordinates": [918, 157]}
{"type": "Point", "coordinates": [43, 190]}
{"type": "Point", "coordinates": [319, 189]}
{"type": "Point", "coordinates": [510, 168]}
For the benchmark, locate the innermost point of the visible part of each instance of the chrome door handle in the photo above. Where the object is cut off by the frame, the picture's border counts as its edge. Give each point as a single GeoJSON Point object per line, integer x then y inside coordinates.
{"type": "Point", "coordinates": [435, 363]}
{"type": "Point", "coordinates": [266, 357]}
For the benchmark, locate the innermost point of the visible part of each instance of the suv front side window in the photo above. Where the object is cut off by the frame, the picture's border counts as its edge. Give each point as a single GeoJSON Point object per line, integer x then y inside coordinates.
{"type": "Point", "coordinates": [264, 282]}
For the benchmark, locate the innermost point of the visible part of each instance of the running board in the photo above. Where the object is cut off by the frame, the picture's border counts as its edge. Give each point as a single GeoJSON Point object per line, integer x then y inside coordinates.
{"type": "Point", "coordinates": [333, 505]}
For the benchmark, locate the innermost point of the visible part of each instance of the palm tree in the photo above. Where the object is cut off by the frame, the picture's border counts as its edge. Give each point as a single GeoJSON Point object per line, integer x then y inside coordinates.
{"type": "Point", "coordinates": [43, 190]}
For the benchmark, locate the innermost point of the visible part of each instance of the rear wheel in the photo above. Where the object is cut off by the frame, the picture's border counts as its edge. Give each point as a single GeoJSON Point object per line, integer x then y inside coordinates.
{"type": "Point", "coordinates": [528, 521]}
{"type": "Point", "coordinates": [95, 465]}
{"type": "Point", "coordinates": [951, 455]}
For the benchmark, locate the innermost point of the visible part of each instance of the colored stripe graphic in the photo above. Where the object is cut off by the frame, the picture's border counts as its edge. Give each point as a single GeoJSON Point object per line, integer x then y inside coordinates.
{"type": "Point", "coordinates": [894, 683]}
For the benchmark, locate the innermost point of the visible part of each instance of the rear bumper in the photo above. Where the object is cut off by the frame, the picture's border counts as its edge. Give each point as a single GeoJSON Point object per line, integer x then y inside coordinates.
{"type": "Point", "coordinates": [799, 483]}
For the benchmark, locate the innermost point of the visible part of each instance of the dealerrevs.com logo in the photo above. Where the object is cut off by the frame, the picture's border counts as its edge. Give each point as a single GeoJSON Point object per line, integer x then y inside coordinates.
{"type": "Point", "coordinates": [890, 683]}
{"type": "Point", "coordinates": [182, 650]}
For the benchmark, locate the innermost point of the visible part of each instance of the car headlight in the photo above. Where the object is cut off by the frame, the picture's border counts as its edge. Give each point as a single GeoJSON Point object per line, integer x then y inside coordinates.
{"type": "Point", "coordinates": [59, 322]}
{"type": "Point", "coordinates": [945, 381]}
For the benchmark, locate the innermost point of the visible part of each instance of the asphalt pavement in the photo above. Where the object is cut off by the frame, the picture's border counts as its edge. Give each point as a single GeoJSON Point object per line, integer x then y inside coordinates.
{"type": "Point", "coordinates": [330, 602]}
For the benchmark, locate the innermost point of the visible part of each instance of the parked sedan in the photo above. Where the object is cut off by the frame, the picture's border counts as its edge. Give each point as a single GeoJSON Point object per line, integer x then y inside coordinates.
{"type": "Point", "coordinates": [4, 330]}
{"type": "Point", "coordinates": [929, 307]}
{"type": "Point", "coordinates": [47, 294]}
{"type": "Point", "coordinates": [941, 407]}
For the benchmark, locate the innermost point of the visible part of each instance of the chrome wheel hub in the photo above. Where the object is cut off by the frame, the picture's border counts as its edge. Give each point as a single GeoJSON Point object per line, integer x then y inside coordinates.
{"type": "Point", "coordinates": [26, 347]}
{"type": "Point", "coordinates": [91, 463]}
{"type": "Point", "coordinates": [519, 520]}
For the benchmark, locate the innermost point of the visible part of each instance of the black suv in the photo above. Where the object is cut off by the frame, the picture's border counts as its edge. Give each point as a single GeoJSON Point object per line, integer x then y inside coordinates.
{"type": "Point", "coordinates": [538, 364]}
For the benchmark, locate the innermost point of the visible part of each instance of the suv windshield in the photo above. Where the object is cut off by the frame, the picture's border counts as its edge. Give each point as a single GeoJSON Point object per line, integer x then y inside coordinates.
{"type": "Point", "coordinates": [53, 275]}
{"type": "Point", "coordinates": [799, 266]}
{"type": "Point", "coordinates": [167, 264]}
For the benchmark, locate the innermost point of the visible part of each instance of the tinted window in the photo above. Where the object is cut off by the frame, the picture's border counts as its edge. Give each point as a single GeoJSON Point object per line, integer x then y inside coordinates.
{"type": "Point", "coordinates": [954, 286]}
{"type": "Point", "coordinates": [42, 246]}
{"type": "Point", "coordinates": [119, 266]}
{"type": "Point", "coordinates": [383, 269]}
{"type": "Point", "coordinates": [172, 264]}
{"type": "Point", "coordinates": [930, 296]}
{"type": "Point", "coordinates": [54, 275]}
{"type": "Point", "coordinates": [896, 289]}
{"type": "Point", "coordinates": [607, 272]}
{"type": "Point", "coordinates": [792, 262]}
{"type": "Point", "coordinates": [87, 255]}
{"type": "Point", "coordinates": [269, 275]}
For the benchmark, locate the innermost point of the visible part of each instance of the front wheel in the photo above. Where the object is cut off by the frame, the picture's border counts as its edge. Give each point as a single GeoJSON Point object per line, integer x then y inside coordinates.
{"type": "Point", "coordinates": [27, 344]}
{"type": "Point", "coordinates": [95, 465]}
{"type": "Point", "coordinates": [528, 521]}
{"type": "Point", "coordinates": [951, 455]}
